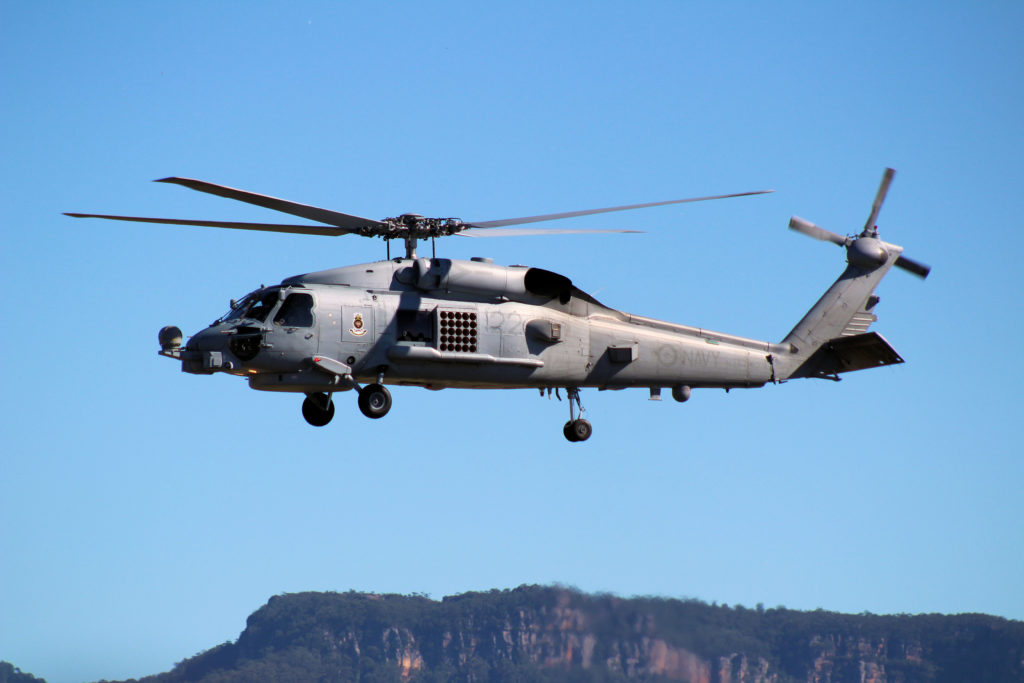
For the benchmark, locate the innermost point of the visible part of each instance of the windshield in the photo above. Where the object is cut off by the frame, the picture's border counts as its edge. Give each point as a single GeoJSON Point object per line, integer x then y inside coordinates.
{"type": "Point", "coordinates": [256, 305]}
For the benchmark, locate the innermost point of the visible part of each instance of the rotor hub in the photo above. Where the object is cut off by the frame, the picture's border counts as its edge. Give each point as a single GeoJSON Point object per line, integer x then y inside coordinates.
{"type": "Point", "coordinates": [414, 226]}
{"type": "Point", "coordinates": [866, 252]}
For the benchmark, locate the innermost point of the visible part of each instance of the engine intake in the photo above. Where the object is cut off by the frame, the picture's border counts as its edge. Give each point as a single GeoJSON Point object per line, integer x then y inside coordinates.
{"type": "Point", "coordinates": [477, 277]}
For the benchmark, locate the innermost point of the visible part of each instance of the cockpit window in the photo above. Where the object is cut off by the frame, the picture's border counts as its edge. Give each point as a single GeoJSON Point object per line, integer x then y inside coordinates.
{"type": "Point", "coordinates": [237, 309]}
{"type": "Point", "coordinates": [256, 304]}
{"type": "Point", "coordinates": [261, 307]}
{"type": "Point", "coordinates": [296, 311]}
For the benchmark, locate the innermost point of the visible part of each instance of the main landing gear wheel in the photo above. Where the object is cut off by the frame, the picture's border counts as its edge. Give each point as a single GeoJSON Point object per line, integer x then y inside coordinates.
{"type": "Point", "coordinates": [374, 401]}
{"type": "Point", "coordinates": [318, 409]}
{"type": "Point", "coordinates": [577, 430]}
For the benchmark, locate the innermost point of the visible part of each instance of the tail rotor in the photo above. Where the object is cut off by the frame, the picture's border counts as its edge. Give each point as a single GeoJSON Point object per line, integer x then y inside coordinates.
{"type": "Point", "coordinates": [864, 250]}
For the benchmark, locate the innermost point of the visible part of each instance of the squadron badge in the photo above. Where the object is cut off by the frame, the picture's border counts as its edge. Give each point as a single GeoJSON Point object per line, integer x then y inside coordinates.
{"type": "Point", "coordinates": [358, 329]}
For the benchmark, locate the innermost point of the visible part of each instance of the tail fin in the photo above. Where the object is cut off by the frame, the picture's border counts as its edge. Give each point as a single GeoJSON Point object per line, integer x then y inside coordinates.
{"type": "Point", "coordinates": [833, 337]}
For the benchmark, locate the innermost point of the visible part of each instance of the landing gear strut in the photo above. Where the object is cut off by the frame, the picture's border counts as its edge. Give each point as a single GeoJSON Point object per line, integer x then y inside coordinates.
{"type": "Point", "coordinates": [318, 409]}
{"type": "Point", "coordinates": [576, 429]}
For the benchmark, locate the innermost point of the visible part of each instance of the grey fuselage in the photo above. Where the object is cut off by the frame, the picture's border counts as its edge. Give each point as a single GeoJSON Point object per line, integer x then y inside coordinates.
{"type": "Point", "coordinates": [442, 323]}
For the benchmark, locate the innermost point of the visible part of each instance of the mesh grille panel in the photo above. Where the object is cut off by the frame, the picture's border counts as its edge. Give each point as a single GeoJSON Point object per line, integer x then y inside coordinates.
{"type": "Point", "coordinates": [457, 331]}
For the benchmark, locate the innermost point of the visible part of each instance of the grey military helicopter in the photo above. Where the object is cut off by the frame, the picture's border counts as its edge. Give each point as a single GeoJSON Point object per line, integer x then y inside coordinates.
{"type": "Point", "coordinates": [438, 323]}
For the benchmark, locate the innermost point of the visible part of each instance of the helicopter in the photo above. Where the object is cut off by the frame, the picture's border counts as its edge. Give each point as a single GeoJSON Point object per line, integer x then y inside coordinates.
{"type": "Point", "coordinates": [438, 323]}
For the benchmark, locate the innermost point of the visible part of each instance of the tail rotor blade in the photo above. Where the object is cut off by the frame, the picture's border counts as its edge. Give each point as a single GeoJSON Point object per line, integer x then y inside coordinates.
{"type": "Point", "coordinates": [811, 230]}
{"type": "Point", "coordinates": [919, 269]}
{"type": "Point", "coordinates": [883, 190]}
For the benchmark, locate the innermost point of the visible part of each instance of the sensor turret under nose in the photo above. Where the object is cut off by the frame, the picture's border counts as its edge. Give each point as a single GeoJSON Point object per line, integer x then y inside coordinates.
{"type": "Point", "coordinates": [170, 339]}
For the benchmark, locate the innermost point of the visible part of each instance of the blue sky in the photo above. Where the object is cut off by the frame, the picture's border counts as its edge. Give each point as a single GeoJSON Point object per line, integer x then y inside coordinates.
{"type": "Point", "coordinates": [145, 513]}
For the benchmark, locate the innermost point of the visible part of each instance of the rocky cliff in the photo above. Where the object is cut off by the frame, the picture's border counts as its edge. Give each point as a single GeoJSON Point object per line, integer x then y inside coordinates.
{"type": "Point", "coordinates": [540, 633]}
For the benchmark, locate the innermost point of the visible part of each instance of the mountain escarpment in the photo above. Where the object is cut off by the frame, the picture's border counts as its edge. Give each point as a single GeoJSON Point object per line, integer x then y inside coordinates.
{"type": "Point", "coordinates": [535, 633]}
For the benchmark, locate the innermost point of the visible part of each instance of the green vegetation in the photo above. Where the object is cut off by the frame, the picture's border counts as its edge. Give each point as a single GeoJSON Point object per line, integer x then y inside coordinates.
{"type": "Point", "coordinates": [12, 674]}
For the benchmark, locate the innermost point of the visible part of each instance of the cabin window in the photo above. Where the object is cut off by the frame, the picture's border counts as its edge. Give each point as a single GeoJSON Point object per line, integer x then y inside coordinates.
{"type": "Point", "coordinates": [296, 311]}
{"type": "Point", "coordinates": [415, 325]}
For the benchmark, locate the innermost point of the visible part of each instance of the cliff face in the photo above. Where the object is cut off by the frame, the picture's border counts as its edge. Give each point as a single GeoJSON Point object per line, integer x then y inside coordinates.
{"type": "Point", "coordinates": [536, 633]}
{"type": "Point", "coordinates": [551, 636]}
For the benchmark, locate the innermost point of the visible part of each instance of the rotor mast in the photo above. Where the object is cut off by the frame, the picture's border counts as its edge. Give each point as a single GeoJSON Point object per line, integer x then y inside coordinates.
{"type": "Point", "coordinates": [410, 247]}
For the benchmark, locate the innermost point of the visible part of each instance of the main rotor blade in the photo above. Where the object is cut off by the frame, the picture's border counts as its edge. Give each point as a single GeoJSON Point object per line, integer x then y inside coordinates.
{"type": "Point", "coordinates": [883, 189]}
{"type": "Point", "coordinates": [590, 212]}
{"type": "Point", "coordinates": [313, 213]}
{"type": "Point", "coordinates": [521, 232]}
{"type": "Point", "coordinates": [912, 266]}
{"type": "Point", "coordinates": [268, 227]}
{"type": "Point", "coordinates": [811, 230]}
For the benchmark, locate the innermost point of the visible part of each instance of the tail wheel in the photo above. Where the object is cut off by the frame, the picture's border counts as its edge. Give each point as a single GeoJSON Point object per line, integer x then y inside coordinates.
{"type": "Point", "coordinates": [318, 409]}
{"type": "Point", "coordinates": [374, 401]}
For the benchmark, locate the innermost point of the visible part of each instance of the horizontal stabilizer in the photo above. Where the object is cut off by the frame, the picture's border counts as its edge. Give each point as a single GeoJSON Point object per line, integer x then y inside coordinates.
{"type": "Point", "coordinates": [847, 354]}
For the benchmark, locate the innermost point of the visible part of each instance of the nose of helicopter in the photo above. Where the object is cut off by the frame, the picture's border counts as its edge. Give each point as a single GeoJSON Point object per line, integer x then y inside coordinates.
{"type": "Point", "coordinates": [207, 352]}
